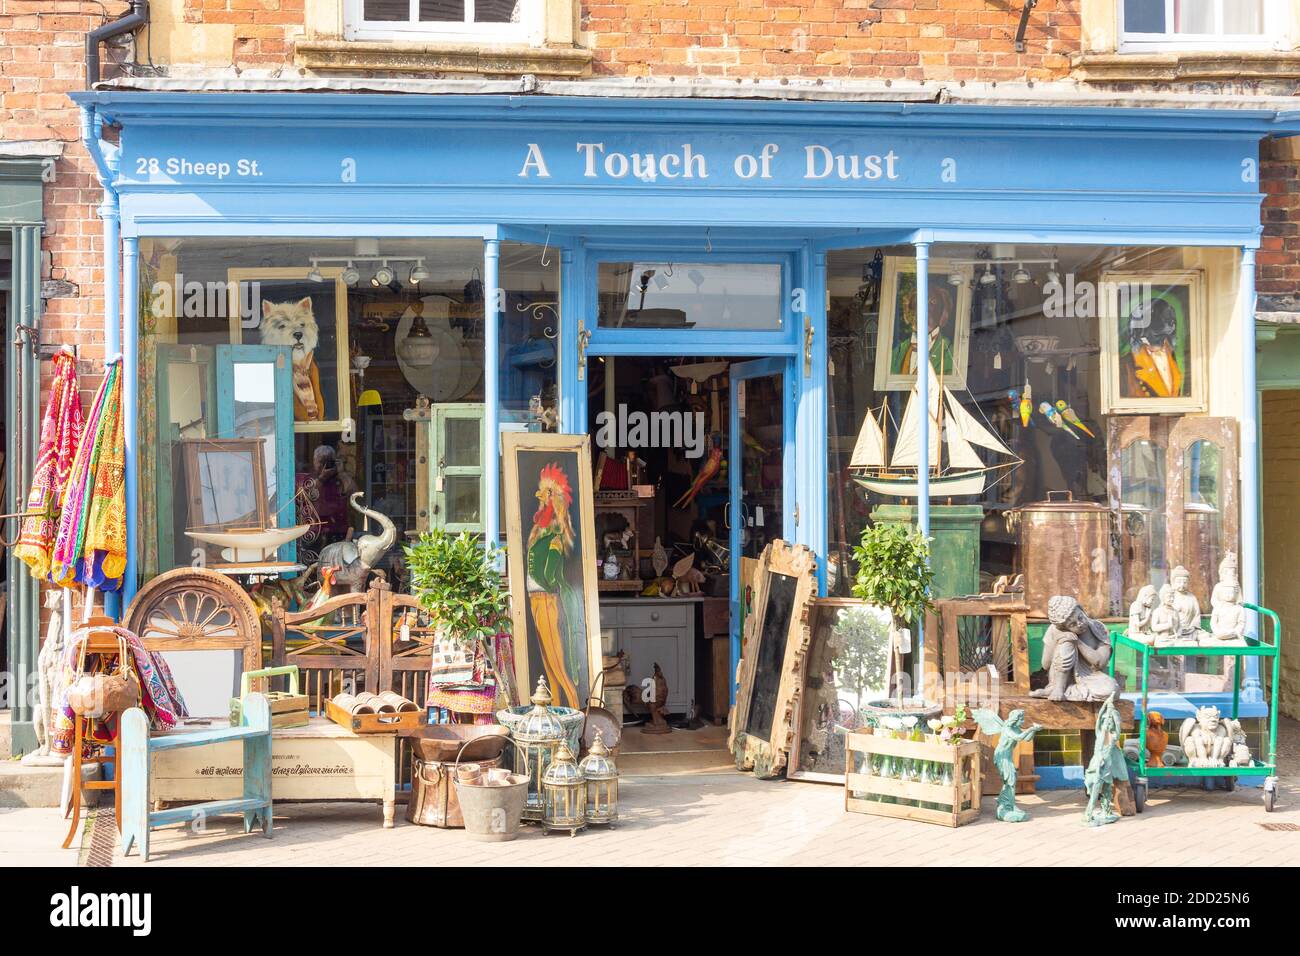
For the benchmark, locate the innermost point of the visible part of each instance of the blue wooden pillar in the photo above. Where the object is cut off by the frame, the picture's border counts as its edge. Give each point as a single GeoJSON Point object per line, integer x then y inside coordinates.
{"type": "Point", "coordinates": [130, 418]}
{"type": "Point", "coordinates": [1251, 690]}
{"type": "Point", "coordinates": [923, 419]}
{"type": "Point", "coordinates": [491, 393]}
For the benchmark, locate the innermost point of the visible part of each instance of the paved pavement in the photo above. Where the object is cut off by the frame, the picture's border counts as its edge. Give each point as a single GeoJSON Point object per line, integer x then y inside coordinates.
{"type": "Point", "coordinates": [733, 820]}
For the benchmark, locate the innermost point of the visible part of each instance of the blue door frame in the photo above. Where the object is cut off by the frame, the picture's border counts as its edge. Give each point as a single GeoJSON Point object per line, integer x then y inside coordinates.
{"type": "Point", "coordinates": [743, 372]}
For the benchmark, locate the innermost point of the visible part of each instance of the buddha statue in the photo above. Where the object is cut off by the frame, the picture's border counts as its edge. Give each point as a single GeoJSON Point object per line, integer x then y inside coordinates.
{"type": "Point", "coordinates": [1185, 603]}
{"type": "Point", "coordinates": [1227, 615]}
{"type": "Point", "coordinates": [1139, 614]}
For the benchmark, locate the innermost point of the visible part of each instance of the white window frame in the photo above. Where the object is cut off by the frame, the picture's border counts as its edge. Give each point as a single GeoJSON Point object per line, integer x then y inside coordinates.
{"type": "Point", "coordinates": [1274, 37]}
{"type": "Point", "coordinates": [529, 30]}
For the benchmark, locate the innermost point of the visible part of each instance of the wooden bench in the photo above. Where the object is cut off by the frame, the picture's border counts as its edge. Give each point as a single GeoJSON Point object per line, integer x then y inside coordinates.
{"type": "Point", "coordinates": [138, 748]}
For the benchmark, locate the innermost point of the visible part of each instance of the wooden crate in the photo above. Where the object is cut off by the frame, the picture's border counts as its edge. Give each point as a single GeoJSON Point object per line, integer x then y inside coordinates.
{"type": "Point", "coordinates": [963, 756]}
{"type": "Point", "coordinates": [403, 722]}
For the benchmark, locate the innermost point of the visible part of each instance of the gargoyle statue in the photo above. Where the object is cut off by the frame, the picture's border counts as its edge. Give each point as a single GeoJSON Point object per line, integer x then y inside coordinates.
{"type": "Point", "coordinates": [1208, 738]}
{"type": "Point", "coordinates": [353, 560]}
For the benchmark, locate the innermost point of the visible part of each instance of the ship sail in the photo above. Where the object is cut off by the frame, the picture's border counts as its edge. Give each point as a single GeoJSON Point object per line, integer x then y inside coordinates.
{"type": "Point", "coordinates": [952, 427]}
{"type": "Point", "coordinates": [869, 452]}
{"type": "Point", "coordinates": [906, 451]}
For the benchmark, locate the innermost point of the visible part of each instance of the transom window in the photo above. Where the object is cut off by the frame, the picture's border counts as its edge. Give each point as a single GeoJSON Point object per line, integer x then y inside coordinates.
{"type": "Point", "coordinates": [1202, 24]}
{"type": "Point", "coordinates": [506, 20]}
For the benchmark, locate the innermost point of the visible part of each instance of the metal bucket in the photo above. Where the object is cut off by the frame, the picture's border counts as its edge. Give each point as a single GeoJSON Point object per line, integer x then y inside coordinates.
{"type": "Point", "coordinates": [492, 814]}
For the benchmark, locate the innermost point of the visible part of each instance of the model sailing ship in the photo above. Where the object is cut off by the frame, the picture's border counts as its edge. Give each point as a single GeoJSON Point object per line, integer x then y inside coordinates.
{"type": "Point", "coordinates": [955, 466]}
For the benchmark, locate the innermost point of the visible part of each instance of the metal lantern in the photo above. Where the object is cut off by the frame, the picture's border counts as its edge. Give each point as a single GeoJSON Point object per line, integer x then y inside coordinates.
{"type": "Point", "coordinates": [564, 793]}
{"type": "Point", "coordinates": [602, 783]}
{"type": "Point", "coordinates": [539, 736]}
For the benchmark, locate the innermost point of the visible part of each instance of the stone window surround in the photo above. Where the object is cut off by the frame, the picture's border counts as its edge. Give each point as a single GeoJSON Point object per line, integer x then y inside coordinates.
{"type": "Point", "coordinates": [1101, 61]}
{"type": "Point", "coordinates": [555, 51]}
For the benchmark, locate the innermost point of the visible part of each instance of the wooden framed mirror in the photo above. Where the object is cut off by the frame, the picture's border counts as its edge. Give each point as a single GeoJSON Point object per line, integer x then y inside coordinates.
{"type": "Point", "coordinates": [777, 634]}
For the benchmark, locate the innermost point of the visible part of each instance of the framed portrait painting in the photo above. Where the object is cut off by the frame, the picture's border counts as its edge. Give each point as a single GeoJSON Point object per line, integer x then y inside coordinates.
{"type": "Point", "coordinates": [897, 354]}
{"type": "Point", "coordinates": [551, 550]}
{"type": "Point", "coordinates": [1152, 342]}
{"type": "Point", "coordinates": [286, 307]}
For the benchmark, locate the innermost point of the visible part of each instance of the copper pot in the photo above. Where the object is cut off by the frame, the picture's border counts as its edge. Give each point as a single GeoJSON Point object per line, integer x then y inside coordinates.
{"type": "Point", "coordinates": [1066, 548]}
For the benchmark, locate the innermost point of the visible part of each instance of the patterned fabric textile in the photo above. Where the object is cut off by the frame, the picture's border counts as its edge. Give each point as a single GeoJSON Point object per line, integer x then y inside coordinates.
{"type": "Point", "coordinates": [489, 687]}
{"type": "Point", "coordinates": [90, 547]}
{"type": "Point", "coordinates": [60, 437]}
{"type": "Point", "coordinates": [161, 699]}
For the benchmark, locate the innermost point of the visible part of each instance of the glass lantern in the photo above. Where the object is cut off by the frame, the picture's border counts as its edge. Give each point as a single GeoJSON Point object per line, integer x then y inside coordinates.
{"type": "Point", "coordinates": [564, 793]}
{"type": "Point", "coordinates": [602, 783]}
{"type": "Point", "coordinates": [539, 737]}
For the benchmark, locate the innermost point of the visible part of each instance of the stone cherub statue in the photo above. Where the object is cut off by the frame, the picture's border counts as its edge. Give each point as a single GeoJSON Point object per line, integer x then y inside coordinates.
{"type": "Point", "coordinates": [1227, 615]}
{"type": "Point", "coordinates": [1185, 603]}
{"type": "Point", "coordinates": [1140, 612]}
{"type": "Point", "coordinates": [1105, 768]}
{"type": "Point", "coordinates": [1009, 733]}
{"type": "Point", "coordinates": [1076, 651]}
{"type": "Point", "coordinates": [1209, 739]}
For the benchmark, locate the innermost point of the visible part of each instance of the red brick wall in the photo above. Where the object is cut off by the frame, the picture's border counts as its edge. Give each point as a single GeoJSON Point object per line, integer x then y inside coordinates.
{"type": "Point", "coordinates": [1278, 260]}
{"type": "Point", "coordinates": [42, 57]}
{"type": "Point", "coordinates": [897, 39]}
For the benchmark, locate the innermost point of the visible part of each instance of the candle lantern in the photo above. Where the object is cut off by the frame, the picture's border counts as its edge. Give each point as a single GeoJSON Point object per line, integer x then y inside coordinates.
{"type": "Point", "coordinates": [539, 735]}
{"type": "Point", "coordinates": [602, 783]}
{"type": "Point", "coordinates": [564, 793]}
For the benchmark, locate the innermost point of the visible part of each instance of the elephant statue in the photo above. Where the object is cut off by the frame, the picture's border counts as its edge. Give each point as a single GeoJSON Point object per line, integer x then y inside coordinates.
{"type": "Point", "coordinates": [353, 560]}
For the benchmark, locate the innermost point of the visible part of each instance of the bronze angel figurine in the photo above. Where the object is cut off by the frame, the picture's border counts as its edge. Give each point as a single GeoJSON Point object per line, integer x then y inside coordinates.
{"type": "Point", "coordinates": [1009, 733]}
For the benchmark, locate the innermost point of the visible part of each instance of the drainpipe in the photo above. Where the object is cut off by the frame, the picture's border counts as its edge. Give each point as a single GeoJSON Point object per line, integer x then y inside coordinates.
{"type": "Point", "coordinates": [492, 412]}
{"type": "Point", "coordinates": [106, 157]}
{"type": "Point", "coordinates": [129, 22]}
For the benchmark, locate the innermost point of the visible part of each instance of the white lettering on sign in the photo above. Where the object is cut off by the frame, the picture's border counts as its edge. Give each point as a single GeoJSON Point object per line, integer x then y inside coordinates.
{"type": "Point", "coordinates": [820, 163]}
{"type": "Point", "coordinates": [150, 166]}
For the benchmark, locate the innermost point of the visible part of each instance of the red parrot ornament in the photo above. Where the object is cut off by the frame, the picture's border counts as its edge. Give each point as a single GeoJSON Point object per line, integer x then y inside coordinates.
{"type": "Point", "coordinates": [711, 467]}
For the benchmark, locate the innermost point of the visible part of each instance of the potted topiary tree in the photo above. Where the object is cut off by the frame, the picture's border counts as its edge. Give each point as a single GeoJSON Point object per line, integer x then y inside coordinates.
{"type": "Point", "coordinates": [456, 580]}
{"type": "Point", "coordinates": [894, 574]}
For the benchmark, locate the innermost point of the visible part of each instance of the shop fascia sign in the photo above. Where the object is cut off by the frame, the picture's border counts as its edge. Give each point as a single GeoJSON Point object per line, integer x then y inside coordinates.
{"type": "Point", "coordinates": [504, 156]}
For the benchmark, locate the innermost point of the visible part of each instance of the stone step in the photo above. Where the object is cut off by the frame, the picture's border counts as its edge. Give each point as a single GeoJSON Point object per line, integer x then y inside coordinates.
{"type": "Point", "coordinates": [23, 786]}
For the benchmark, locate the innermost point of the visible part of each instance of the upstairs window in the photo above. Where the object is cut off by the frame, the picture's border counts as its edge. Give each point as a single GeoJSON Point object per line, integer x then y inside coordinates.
{"type": "Point", "coordinates": [1208, 25]}
{"type": "Point", "coordinates": [515, 21]}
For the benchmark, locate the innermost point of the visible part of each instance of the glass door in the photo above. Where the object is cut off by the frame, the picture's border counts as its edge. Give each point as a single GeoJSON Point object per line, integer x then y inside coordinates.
{"type": "Point", "coordinates": [756, 474]}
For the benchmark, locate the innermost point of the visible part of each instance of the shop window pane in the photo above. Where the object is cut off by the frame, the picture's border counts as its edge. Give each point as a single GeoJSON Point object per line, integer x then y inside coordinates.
{"type": "Point", "coordinates": [442, 11]}
{"type": "Point", "coordinates": [365, 337]}
{"type": "Point", "coordinates": [386, 11]}
{"type": "Point", "coordinates": [1081, 367]}
{"type": "Point", "coordinates": [530, 329]}
{"type": "Point", "coordinates": [462, 443]}
{"type": "Point", "coordinates": [463, 501]}
{"type": "Point", "coordinates": [496, 11]}
{"type": "Point", "coordinates": [1144, 16]}
{"type": "Point", "coordinates": [667, 295]}
{"type": "Point", "coordinates": [1243, 17]}
{"type": "Point", "coordinates": [1195, 16]}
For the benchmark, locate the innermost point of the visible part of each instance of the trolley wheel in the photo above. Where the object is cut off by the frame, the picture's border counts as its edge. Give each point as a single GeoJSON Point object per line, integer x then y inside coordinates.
{"type": "Point", "coordinates": [1268, 799]}
{"type": "Point", "coordinates": [1230, 784]}
{"type": "Point", "coordinates": [1140, 796]}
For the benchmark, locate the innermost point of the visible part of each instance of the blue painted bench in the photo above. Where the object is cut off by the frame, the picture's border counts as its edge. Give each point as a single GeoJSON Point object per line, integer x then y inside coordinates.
{"type": "Point", "coordinates": [137, 749]}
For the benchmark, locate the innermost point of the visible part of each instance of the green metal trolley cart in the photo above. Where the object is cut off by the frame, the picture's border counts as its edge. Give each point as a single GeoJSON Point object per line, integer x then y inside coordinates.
{"type": "Point", "coordinates": [1254, 648]}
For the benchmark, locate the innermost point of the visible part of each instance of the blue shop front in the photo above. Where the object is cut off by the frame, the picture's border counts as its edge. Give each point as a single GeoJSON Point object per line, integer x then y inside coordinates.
{"type": "Point", "coordinates": [335, 306]}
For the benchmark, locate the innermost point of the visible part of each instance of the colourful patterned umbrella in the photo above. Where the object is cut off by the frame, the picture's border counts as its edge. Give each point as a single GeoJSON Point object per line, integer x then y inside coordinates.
{"type": "Point", "coordinates": [90, 547]}
{"type": "Point", "coordinates": [60, 436]}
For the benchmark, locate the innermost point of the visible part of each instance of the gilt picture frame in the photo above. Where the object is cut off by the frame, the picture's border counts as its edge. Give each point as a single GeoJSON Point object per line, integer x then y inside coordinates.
{"type": "Point", "coordinates": [274, 306]}
{"type": "Point", "coordinates": [551, 555]}
{"type": "Point", "coordinates": [1153, 342]}
{"type": "Point", "coordinates": [949, 322]}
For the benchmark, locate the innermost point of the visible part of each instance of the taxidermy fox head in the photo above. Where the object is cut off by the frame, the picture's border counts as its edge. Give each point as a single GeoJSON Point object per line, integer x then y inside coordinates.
{"type": "Point", "coordinates": [291, 324]}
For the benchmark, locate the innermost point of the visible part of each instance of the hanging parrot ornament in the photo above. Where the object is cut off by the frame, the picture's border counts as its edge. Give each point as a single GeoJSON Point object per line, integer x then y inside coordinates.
{"type": "Point", "coordinates": [1055, 418]}
{"type": "Point", "coordinates": [710, 468]}
{"type": "Point", "coordinates": [1068, 414]}
{"type": "Point", "coordinates": [1026, 405]}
